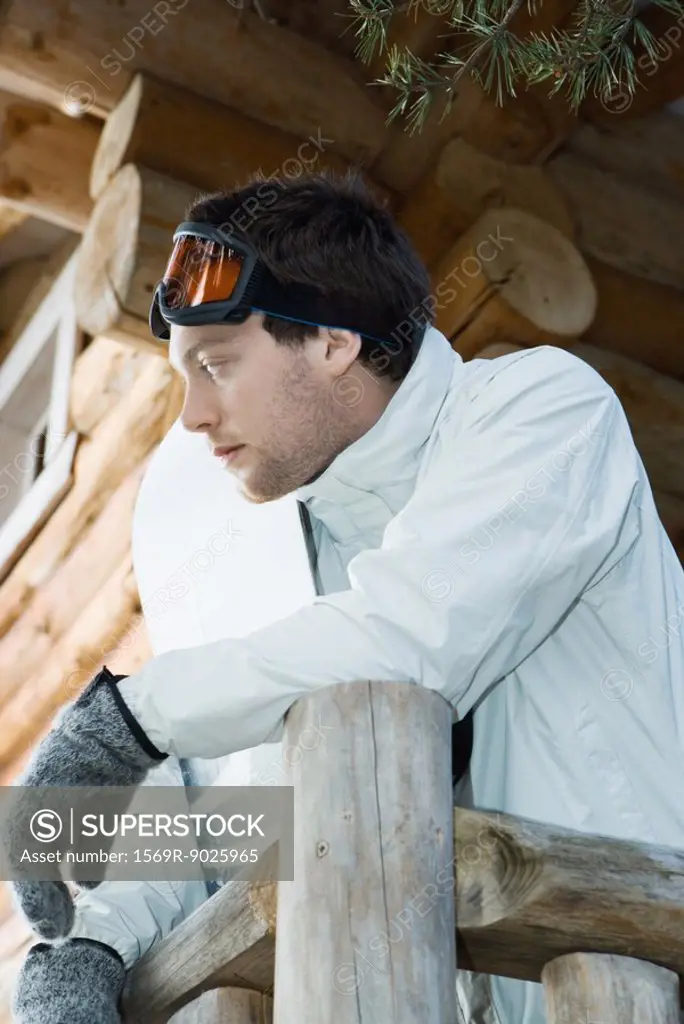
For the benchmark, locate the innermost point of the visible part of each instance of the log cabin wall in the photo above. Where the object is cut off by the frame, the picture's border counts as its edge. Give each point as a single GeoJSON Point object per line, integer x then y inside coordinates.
{"type": "Point", "coordinates": [113, 115]}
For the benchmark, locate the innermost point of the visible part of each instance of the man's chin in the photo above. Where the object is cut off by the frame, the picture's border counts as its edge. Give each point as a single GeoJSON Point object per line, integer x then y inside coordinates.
{"type": "Point", "coordinates": [254, 499]}
{"type": "Point", "coordinates": [255, 495]}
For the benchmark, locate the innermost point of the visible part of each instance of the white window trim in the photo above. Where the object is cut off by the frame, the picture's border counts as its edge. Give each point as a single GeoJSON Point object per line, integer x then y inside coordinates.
{"type": "Point", "coordinates": [55, 313]}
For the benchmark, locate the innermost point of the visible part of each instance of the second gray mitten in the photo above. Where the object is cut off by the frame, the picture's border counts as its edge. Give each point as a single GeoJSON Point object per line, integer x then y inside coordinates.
{"type": "Point", "coordinates": [78, 982]}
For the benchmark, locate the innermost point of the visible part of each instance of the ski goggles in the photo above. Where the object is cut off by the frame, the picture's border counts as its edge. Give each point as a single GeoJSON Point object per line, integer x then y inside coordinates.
{"type": "Point", "coordinates": [214, 277]}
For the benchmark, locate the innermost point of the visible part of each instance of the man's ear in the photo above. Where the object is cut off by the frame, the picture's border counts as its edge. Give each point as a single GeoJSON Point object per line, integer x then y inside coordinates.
{"type": "Point", "coordinates": [342, 347]}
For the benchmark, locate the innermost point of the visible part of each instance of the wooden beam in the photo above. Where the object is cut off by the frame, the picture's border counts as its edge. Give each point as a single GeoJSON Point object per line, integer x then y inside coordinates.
{"type": "Point", "coordinates": [463, 185]}
{"type": "Point", "coordinates": [128, 655]}
{"type": "Point", "coordinates": [220, 147]}
{"type": "Point", "coordinates": [512, 277]}
{"type": "Point", "coordinates": [175, 404]}
{"type": "Point", "coordinates": [103, 373]}
{"type": "Point", "coordinates": [661, 80]}
{"type": "Point", "coordinates": [30, 640]}
{"type": "Point", "coordinates": [102, 463]}
{"type": "Point", "coordinates": [133, 649]}
{"type": "Point", "coordinates": [617, 897]}
{"type": "Point", "coordinates": [638, 318]}
{"type": "Point", "coordinates": [45, 159]}
{"type": "Point", "coordinates": [85, 54]}
{"type": "Point", "coordinates": [74, 660]}
{"type": "Point", "coordinates": [647, 151]}
{"type": "Point", "coordinates": [228, 941]}
{"type": "Point", "coordinates": [124, 251]}
{"type": "Point", "coordinates": [621, 223]}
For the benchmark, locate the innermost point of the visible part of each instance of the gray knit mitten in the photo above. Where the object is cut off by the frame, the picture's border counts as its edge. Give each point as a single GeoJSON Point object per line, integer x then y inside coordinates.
{"type": "Point", "coordinates": [96, 742]}
{"type": "Point", "coordinates": [77, 982]}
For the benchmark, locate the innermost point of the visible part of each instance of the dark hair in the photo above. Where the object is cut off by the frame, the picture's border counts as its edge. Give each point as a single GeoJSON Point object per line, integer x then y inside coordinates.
{"type": "Point", "coordinates": [329, 231]}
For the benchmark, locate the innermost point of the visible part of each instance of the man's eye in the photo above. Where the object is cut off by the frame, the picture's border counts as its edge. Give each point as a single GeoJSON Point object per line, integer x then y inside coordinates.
{"type": "Point", "coordinates": [210, 368]}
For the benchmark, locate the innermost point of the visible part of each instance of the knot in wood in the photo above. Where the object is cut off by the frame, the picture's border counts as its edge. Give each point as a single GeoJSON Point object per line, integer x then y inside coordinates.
{"type": "Point", "coordinates": [322, 848]}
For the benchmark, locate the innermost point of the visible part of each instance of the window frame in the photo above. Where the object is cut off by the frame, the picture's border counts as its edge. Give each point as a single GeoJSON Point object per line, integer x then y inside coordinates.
{"type": "Point", "coordinates": [55, 315]}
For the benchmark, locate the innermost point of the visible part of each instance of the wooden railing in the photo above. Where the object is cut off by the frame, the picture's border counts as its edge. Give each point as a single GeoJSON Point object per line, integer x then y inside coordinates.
{"type": "Point", "coordinates": [393, 887]}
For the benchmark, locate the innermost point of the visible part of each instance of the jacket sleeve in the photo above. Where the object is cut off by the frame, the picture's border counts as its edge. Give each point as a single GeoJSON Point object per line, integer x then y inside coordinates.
{"type": "Point", "coordinates": [133, 916]}
{"type": "Point", "coordinates": [524, 502]}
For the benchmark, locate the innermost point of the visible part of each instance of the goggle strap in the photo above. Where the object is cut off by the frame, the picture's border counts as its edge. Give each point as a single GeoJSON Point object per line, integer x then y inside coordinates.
{"type": "Point", "coordinates": [303, 303]}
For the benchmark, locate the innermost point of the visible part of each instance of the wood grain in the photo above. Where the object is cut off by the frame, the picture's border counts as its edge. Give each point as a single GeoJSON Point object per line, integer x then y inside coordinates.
{"type": "Point", "coordinates": [463, 185]}
{"type": "Point", "coordinates": [622, 223]}
{"type": "Point", "coordinates": [604, 989]}
{"type": "Point", "coordinates": [364, 933]}
{"type": "Point", "coordinates": [45, 159]}
{"type": "Point", "coordinates": [84, 55]}
{"type": "Point", "coordinates": [227, 1006]}
{"type": "Point", "coordinates": [194, 139]}
{"type": "Point", "coordinates": [512, 277]}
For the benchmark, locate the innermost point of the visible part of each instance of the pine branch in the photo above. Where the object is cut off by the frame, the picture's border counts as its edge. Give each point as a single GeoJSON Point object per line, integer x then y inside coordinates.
{"type": "Point", "coordinates": [593, 52]}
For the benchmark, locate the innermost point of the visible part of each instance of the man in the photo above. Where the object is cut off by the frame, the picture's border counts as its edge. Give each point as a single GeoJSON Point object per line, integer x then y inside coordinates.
{"type": "Point", "coordinates": [485, 529]}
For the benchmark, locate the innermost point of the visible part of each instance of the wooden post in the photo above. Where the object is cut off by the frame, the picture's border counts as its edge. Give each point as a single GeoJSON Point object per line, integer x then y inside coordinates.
{"type": "Point", "coordinates": [366, 929]}
{"type": "Point", "coordinates": [228, 1006]}
{"type": "Point", "coordinates": [597, 988]}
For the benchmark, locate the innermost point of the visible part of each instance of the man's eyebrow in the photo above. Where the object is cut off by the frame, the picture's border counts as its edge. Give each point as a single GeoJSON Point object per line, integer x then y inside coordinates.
{"type": "Point", "coordinates": [191, 354]}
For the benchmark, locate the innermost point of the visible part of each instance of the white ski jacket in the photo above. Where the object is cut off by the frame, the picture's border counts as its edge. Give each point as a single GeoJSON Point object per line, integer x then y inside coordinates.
{"type": "Point", "coordinates": [492, 537]}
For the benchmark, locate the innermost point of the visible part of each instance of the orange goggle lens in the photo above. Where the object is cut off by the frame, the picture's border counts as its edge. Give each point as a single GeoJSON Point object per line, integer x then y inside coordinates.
{"type": "Point", "coordinates": [200, 270]}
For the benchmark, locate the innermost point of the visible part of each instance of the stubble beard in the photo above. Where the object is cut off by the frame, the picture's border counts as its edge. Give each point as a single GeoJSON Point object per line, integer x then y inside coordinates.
{"type": "Point", "coordinates": [305, 437]}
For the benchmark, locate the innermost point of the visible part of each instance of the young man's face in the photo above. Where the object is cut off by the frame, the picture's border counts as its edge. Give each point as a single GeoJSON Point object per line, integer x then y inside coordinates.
{"type": "Point", "coordinates": [274, 401]}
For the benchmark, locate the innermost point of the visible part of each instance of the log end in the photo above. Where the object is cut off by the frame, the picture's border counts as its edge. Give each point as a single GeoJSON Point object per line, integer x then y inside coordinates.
{"type": "Point", "coordinates": [107, 254]}
{"type": "Point", "coordinates": [538, 272]}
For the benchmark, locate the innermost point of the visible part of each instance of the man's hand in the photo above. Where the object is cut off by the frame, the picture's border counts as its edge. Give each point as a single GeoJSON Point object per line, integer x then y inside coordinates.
{"type": "Point", "coordinates": [96, 742]}
{"type": "Point", "coordinates": [78, 982]}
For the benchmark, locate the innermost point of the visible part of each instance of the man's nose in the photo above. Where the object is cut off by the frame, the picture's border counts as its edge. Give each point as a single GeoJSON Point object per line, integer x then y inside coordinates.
{"type": "Point", "coordinates": [198, 414]}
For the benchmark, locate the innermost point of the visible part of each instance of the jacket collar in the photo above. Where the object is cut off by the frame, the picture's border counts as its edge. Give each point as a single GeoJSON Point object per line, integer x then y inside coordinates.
{"type": "Point", "coordinates": [372, 479]}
